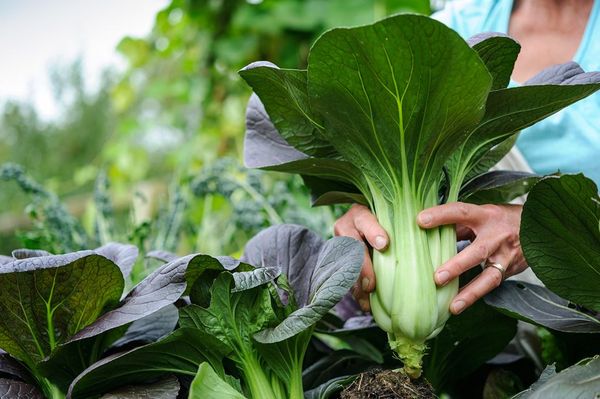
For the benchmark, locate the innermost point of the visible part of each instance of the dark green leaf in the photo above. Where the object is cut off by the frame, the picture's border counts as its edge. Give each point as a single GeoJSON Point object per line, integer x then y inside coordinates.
{"type": "Point", "coordinates": [161, 288]}
{"type": "Point", "coordinates": [560, 236]}
{"type": "Point", "coordinates": [232, 317]}
{"type": "Point", "coordinates": [388, 78]}
{"type": "Point", "coordinates": [464, 344]}
{"type": "Point", "coordinates": [498, 187]}
{"type": "Point", "coordinates": [285, 98]}
{"type": "Point", "coordinates": [499, 53]}
{"type": "Point", "coordinates": [44, 301]}
{"type": "Point", "coordinates": [179, 353]}
{"type": "Point", "coordinates": [539, 305]}
{"type": "Point", "coordinates": [167, 388]}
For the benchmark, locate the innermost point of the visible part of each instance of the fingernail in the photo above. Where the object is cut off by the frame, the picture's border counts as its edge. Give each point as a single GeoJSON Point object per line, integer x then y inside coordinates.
{"type": "Point", "coordinates": [380, 242]}
{"type": "Point", "coordinates": [364, 304]}
{"type": "Point", "coordinates": [365, 284]}
{"type": "Point", "coordinates": [424, 218]}
{"type": "Point", "coordinates": [442, 277]}
{"type": "Point", "coordinates": [458, 306]}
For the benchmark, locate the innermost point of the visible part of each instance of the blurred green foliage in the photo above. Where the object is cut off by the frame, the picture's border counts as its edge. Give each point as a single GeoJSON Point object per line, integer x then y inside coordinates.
{"type": "Point", "coordinates": [165, 122]}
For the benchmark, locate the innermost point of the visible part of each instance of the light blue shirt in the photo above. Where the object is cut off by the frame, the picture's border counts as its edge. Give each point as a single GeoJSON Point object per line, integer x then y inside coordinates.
{"type": "Point", "coordinates": [569, 140]}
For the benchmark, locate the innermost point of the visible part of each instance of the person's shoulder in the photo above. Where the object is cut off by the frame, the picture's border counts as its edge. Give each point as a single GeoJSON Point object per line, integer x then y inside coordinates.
{"type": "Point", "coordinates": [467, 17]}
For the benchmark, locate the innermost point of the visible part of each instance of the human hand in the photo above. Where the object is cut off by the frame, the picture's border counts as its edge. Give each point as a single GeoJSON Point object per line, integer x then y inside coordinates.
{"type": "Point", "coordinates": [361, 224]}
{"type": "Point", "coordinates": [494, 232]}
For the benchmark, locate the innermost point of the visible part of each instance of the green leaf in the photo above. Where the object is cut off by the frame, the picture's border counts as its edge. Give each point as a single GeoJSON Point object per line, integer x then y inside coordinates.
{"type": "Point", "coordinates": [492, 157]}
{"type": "Point", "coordinates": [463, 345]}
{"type": "Point", "coordinates": [232, 317]}
{"type": "Point", "coordinates": [208, 384]}
{"type": "Point", "coordinates": [581, 380]}
{"type": "Point", "coordinates": [499, 53]}
{"type": "Point", "coordinates": [498, 187]}
{"type": "Point", "coordinates": [539, 305]}
{"type": "Point", "coordinates": [44, 301]}
{"type": "Point", "coordinates": [388, 79]}
{"type": "Point", "coordinates": [507, 111]}
{"type": "Point", "coordinates": [286, 100]}
{"type": "Point", "coordinates": [560, 237]}
{"type": "Point", "coordinates": [167, 388]}
{"type": "Point", "coordinates": [179, 353]}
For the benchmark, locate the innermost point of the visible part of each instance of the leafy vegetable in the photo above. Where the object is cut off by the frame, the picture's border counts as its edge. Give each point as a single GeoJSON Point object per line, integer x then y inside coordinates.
{"type": "Point", "coordinates": [578, 381]}
{"type": "Point", "coordinates": [560, 236]}
{"type": "Point", "coordinates": [61, 312]}
{"type": "Point", "coordinates": [386, 111]}
{"type": "Point", "coordinates": [539, 305]}
{"type": "Point", "coordinates": [259, 317]}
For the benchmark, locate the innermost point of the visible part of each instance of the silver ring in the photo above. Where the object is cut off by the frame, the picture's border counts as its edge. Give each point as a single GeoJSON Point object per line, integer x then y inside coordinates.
{"type": "Point", "coordinates": [497, 266]}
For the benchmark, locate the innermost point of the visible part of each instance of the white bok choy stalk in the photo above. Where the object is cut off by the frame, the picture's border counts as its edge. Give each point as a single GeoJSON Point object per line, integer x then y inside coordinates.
{"type": "Point", "coordinates": [398, 115]}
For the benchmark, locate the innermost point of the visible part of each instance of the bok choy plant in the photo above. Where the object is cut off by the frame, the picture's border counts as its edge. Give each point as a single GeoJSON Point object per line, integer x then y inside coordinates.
{"type": "Point", "coordinates": [250, 321]}
{"type": "Point", "coordinates": [397, 115]}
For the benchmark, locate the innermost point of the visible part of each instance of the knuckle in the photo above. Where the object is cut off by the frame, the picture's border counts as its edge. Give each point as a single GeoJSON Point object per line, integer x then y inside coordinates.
{"type": "Point", "coordinates": [482, 250]}
{"type": "Point", "coordinates": [463, 209]}
{"type": "Point", "coordinates": [493, 212]}
{"type": "Point", "coordinates": [495, 278]}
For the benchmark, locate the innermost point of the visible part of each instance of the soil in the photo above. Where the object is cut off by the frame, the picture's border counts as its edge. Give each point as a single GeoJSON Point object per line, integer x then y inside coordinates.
{"type": "Point", "coordinates": [388, 384]}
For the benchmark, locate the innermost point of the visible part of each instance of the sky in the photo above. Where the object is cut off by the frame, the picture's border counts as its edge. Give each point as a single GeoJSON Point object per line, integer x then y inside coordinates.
{"type": "Point", "coordinates": [36, 34]}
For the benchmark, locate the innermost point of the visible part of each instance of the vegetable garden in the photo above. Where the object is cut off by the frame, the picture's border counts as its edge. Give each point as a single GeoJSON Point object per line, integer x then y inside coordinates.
{"type": "Point", "coordinates": [399, 115]}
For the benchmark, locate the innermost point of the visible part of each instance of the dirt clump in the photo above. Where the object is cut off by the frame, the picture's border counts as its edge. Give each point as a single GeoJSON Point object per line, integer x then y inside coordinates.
{"type": "Point", "coordinates": [388, 384]}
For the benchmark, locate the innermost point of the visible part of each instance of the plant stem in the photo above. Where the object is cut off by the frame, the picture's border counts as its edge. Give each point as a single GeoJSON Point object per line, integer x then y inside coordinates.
{"type": "Point", "coordinates": [258, 382]}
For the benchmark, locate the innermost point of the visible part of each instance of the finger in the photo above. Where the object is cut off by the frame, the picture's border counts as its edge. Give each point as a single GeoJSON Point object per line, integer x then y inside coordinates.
{"type": "Point", "coordinates": [451, 213]}
{"type": "Point", "coordinates": [366, 280]}
{"type": "Point", "coordinates": [471, 256]}
{"type": "Point", "coordinates": [489, 279]}
{"type": "Point", "coordinates": [367, 225]}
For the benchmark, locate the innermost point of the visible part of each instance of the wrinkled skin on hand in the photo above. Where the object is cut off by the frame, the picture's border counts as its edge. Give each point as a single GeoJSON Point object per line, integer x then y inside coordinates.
{"type": "Point", "coordinates": [493, 230]}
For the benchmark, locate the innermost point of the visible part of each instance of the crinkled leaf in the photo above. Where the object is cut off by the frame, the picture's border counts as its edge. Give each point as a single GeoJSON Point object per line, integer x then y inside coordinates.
{"type": "Point", "coordinates": [25, 253]}
{"type": "Point", "coordinates": [581, 380]}
{"type": "Point", "coordinates": [293, 248]}
{"type": "Point", "coordinates": [328, 389]}
{"type": "Point", "coordinates": [232, 317]}
{"type": "Point", "coordinates": [6, 259]}
{"type": "Point", "coordinates": [336, 270]}
{"type": "Point", "coordinates": [560, 236]}
{"type": "Point", "coordinates": [13, 389]}
{"type": "Point", "coordinates": [467, 341]}
{"type": "Point", "coordinates": [166, 388]}
{"type": "Point", "coordinates": [498, 187]}
{"type": "Point", "coordinates": [122, 255]}
{"type": "Point", "coordinates": [151, 328]}
{"type": "Point", "coordinates": [340, 363]}
{"type": "Point", "coordinates": [69, 291]}
{"type": "Point", "coordinates": [208, 384]}
{"type": "Point", "coordinates": [539, 305]}
{"type": "Point", "coordinates": [161, 288]}
{"type": "Point", "coordinates": [164, 256]}
{"type": "Point", "coordinates": [254, 278]}
{"type": "Point", "coordinates": [499, 53]}
{"type": "Point", "coordinates": [179, 353]}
